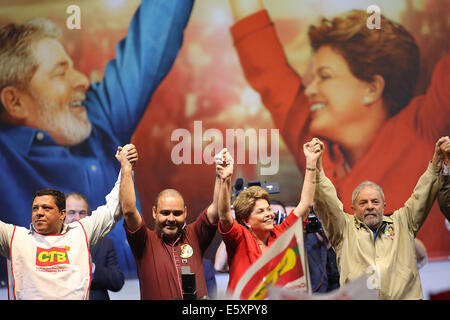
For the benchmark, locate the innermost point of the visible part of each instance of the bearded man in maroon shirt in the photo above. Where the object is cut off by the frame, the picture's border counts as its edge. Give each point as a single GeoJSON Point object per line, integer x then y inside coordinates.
{"type": "Point", "coordinates": [173, 248]}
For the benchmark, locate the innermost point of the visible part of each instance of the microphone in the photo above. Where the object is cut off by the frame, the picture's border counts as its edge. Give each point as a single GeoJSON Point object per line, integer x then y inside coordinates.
{"type": "Point", "coordinates": [188, 283]}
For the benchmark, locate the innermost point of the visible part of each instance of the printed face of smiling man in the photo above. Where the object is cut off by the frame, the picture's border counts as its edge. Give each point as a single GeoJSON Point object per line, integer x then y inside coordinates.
{"type": "Point", "coordinates": [369, 207]}
{"type": "Point", "coordinates": [53, 101]}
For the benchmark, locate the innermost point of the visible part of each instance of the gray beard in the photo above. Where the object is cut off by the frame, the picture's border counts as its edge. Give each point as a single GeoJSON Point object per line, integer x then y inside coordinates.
{"type": "Point", "coordinates": [65, 128]}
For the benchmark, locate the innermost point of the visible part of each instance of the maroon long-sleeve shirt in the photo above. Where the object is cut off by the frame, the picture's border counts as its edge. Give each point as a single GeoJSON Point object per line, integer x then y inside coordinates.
{"type": "Point", "coordinates": [159, 262]}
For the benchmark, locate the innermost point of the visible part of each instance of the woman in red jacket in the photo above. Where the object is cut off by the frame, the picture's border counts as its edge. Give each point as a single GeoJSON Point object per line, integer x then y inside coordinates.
{"type": "Point", "coordinates": [252, 232]}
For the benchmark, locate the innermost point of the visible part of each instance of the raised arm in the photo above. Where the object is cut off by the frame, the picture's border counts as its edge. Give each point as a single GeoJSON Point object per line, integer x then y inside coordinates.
{"type": "Point", "coordinates": [241, 9]}
{"type": "Point", "coordinates": [142, 61]}
{"type": "Point", "coordinates": [444, 189]}
{"type": "Point", "coordinates": [6, 232]}
{"type": "Point", "coordinates": [428, 113]}
{"type": "Point", "coordinates": [268, 72]}
{"type": "Point", "coordinates": [224, 167]}
{"type": "Point", "coordinates": [127, 156]}
{"type": "Point", "coordinates": [213, 211]}
{"type": "Point", "coordinates": [312, 150]}
{"type": "Point", "coordinates": [418, 206]}
{"type": "Point", "coordinates": [327, 205]}
{"type": "Point", "coordinates": [103, 219]}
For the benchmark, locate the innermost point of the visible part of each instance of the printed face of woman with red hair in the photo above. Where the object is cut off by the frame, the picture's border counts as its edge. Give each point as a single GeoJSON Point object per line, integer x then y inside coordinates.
{"type": "Point", "coordinates": [336, 97]}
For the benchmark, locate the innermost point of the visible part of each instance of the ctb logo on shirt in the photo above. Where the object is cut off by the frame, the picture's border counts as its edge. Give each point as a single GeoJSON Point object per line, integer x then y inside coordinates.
{"type": "Point", "coordinates": [52, 256]}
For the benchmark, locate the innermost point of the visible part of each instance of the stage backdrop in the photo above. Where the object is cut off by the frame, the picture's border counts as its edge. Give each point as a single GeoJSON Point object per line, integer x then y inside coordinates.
{"type": "Point", "coordinates": [205, 100]}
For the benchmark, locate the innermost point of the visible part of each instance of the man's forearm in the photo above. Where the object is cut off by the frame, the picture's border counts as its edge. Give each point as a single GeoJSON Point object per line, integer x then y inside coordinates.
{"type": "Point", "coordinates": [213, 211]}
{"type": "Point", "coordinates": [329, 208]}
{"type": "Point", "coordinates": [444, 196]}
{"type": "Point", "coordinates": [224, 205]}
{"type": "Point", "coordinates": [6, 231]}
{"type": "Point", "coordinates": [128, 198]}
{"type": "Point", "coordinates": [104, 217]}
{"type": "Point", "coordinates": [418, 206]}
{"type": "Point", "coordinates": [127, 194]}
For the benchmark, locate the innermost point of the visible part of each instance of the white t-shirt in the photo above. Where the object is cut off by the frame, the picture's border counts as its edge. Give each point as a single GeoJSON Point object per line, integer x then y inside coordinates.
{"type": "Point", "coordinates": [56, 266]}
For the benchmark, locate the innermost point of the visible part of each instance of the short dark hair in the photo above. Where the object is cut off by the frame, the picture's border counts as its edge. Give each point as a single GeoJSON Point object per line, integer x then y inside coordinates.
{"type": "Point", "coordinates": [60, 198]}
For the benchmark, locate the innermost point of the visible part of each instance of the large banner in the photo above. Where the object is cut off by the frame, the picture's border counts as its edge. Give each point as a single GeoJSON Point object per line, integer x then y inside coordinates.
{"type": "Point", "coordinates": [259, 94]}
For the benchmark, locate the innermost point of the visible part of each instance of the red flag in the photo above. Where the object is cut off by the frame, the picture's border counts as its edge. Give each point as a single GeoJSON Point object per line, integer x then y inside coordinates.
{"type": "Point", "coordinates": [284, 264]}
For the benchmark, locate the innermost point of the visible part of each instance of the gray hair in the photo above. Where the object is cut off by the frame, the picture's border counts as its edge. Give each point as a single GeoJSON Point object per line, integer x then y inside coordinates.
{"type": "Point", "coordinates": [17, 62]}
{"type": "Point", "coordinates": [364, 184]}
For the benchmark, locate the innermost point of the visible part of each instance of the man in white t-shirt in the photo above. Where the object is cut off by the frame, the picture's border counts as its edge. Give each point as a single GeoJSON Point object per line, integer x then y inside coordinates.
{"type": "Point", "coordinates": [51, 260]}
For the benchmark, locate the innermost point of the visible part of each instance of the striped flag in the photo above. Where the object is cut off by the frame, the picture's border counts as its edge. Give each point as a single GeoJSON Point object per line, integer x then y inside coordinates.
{"type": "Point", "coordinates": [284, 264]}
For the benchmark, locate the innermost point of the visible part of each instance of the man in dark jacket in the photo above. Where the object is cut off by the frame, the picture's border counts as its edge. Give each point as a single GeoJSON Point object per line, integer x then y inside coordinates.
{"type": "Point", "coordinates": [106, 271]}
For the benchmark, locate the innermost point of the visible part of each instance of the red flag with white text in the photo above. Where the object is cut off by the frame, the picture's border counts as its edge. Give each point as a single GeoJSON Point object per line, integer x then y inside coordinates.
{"type": "Point", "coordinates": [284, 264]}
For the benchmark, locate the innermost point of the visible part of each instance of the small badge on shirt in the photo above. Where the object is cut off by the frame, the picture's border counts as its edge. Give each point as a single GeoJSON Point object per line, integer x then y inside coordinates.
{"type": "Point", "coordinates": [186, 251]}
{"type": "Point", "coordinates": [389, 231]}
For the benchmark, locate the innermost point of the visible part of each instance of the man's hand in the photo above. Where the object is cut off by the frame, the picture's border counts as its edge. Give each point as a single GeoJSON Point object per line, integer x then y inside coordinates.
{"type": "Point", "coordinates": [313, 149]}
{"type": "Point", "coordinates": [224, 164]}
{"type": "Point", "coordinates": [127, 155]}
{"type": "Point", "coordinates": [439, 152]}
{"type": "Point", "coordinates": [445, 149]}
{"type": "Point", "coordinates": [224, 169]}
{"type": "Point", "coordinates": [319, 161]}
